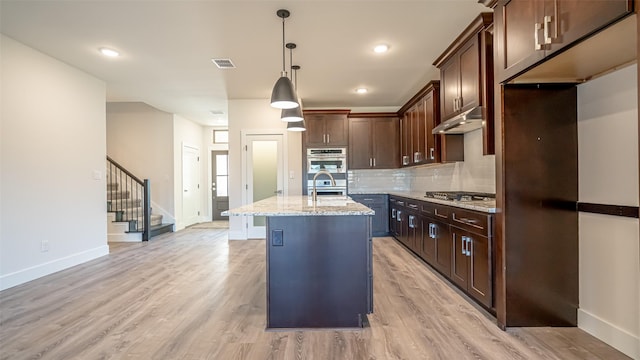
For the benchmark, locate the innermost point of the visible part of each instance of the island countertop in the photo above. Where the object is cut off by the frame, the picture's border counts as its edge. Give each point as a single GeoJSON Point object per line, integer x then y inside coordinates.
{"type": "Point", "coordinates": [301, 205]}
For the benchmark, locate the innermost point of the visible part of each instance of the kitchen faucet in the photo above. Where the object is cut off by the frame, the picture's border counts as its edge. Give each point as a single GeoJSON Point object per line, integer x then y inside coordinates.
{"type": "Point", "coordinates": [315, 192]}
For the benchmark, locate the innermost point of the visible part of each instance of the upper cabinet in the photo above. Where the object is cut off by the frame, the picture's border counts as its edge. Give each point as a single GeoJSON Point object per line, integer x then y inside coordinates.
{"type": "Point", "coordinates": [326, 128]}
{"type": "Point", "coordinates": [528, 31]}
{"type": "Point", "coordinates": [460, 77]}
{"type": "Point", "coordinates": [373, 141]}
{"type": "Point", "coordinates": [466, 75]}
{"type": "Point", "coordinates": [419, 116]}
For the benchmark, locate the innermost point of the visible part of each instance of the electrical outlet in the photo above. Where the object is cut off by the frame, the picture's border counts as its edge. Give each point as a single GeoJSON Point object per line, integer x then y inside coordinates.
{"type": "Point", "coordinates": [44, 246]}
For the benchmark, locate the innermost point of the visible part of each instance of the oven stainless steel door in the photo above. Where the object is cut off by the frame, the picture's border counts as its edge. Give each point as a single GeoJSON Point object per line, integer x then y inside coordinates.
{"type": "Point", "coordinates": [332, 160]}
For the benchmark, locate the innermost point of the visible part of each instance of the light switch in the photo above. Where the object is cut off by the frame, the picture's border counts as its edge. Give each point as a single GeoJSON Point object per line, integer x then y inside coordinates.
{"type": "Point", "coordinates": [97, 175]}
{"type": "Point", "coordinates": [277, 238]}
{"type": "Point", "coordinates": [291, 174]}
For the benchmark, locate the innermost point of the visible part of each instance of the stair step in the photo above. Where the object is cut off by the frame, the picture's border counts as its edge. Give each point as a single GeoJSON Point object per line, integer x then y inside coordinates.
{"type": "Point", "coordinates": [160, 229]}
{"type": "Point", "coordinates": [123, 204]}
{"type": "Point", "coordinates": [115, 195]}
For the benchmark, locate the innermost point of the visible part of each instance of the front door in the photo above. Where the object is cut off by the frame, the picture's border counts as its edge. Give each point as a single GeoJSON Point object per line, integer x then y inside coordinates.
{"type": "Point", "coordinates": [265, 175]}
{"type": "Point", "coordinates": [219, 184]}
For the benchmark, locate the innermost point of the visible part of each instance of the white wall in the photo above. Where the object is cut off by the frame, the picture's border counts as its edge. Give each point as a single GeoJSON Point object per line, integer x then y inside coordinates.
{"type": "Point", "coordinates": [139, 138]}
{"type": "Point", "coordinates": [186, 132]}
{"type": "Point", "coordinates": [52, 168]}
{"type": "Point", "coordinates": [257, 114]}
{"type": "Point", "coordinates": [609, 259]}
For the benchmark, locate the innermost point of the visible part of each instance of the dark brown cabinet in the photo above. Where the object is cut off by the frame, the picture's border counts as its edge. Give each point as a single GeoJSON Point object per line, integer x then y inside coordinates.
{"type": "Point", "coordinates": [528, 31]}
{"type": "Point", "coordinates": [326, 128]}
{"type": "Point", "coordinates": [373, 141]}
{"type": "Point", "coordinates": [461, 80]}
{"type": "Point", "coordinates": [456, 242]}
{"type": "Point", "coordinates": [466, 84]}
{"type": "Point", "coordinates": [471, 265]}
{"type": "Point", "coordinates": [419, 116]}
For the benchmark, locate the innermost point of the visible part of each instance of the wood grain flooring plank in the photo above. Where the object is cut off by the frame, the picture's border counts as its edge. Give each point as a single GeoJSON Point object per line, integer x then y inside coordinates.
{"type": "Point", "coordinates": [194, 294]}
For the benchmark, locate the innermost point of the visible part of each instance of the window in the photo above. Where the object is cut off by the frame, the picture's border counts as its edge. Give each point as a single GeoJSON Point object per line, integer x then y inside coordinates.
{"type": "Point", "coordinates": [222, 175]}
{"type": "Point", "coordinates": [220, 136]}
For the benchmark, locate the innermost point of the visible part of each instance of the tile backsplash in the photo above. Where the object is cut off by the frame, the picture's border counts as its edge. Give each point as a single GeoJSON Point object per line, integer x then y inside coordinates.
{"type": "Point", "coordinates": [476, 173]}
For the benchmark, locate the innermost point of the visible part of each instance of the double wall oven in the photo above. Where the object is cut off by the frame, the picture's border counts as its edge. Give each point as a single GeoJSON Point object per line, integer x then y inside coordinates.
{"type": "Point", "coordinates": [333, 160]}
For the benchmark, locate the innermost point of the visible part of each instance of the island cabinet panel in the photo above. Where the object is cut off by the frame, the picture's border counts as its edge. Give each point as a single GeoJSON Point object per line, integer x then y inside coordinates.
{"type": "Point", "coordinates": [373, 141]}
{"type": "Point", "coordinates": [319, 271]}
{"type": "Point", "coordinates": [380, 204]}
{"type": "Point", "coordinates": [326, 128]}
{"type": "Point", "coordinates": [528, 31]}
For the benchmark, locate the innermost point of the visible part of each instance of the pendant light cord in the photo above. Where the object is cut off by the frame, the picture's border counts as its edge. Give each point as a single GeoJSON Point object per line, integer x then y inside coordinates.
{"type": "Point", "coordinates": [284, 70]}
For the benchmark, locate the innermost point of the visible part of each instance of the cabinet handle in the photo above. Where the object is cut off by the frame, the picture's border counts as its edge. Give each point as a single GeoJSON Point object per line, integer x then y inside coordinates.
{"type": "Point", "coordinates": [398, 216]}
{"type": "Point", "coordinates": [328, 138]}
{"type": "Point", "coordinates": [463, 244]}
{"type": "Point", "coordinates": [393, 213]}
{"type": "Point", "coordinates": [411, 221]}
{"type": "Point", "coordinates": [432, 230]}
{"type": "Point", "coordinates": [468, 246]}
{"type": "Point", "coordinates": [370, 162]}
{"type": "Point", "coordinates": [536, 28]}
{"type": "Point", "coordinates": [547, 24]}
{"type": "Point", "coordinates": [374, 162]}
{"type": "Point", "coordinates": [431, 151]}
{"type": "Point", "coordinates": [455, 106]}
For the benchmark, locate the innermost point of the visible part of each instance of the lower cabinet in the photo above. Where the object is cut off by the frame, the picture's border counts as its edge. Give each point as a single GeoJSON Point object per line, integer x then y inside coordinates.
{"type": "Point", "coordinates": [455, 242]}
{"type": "Point", "coordinates": [438, 246]}
{"type": "Point", "coordinates": [471, 267]}
{"type": "Point", "coordinates": [379, 204]}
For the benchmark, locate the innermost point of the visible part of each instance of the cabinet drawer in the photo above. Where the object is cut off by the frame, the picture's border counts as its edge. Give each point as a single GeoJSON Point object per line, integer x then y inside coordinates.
{"type": "Point", "coordinates": [412, 205]}
{"type": "Point", "coordinates": [436, 211]}
{"type": "Point", "coordinates": [369, 198]}
{"type": "Point", "coordinates": [475, 222]}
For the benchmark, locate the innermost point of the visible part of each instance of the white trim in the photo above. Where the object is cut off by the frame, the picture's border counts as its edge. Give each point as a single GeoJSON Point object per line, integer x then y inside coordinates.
{"type": "Point", "coordinates": [285, 169]}
{"type": "Point", "coordinates": [125, 237]}
{"type": "Point", "coordinates": [40, 270]}
{"type": "Point", "coordinates": [618, 338]}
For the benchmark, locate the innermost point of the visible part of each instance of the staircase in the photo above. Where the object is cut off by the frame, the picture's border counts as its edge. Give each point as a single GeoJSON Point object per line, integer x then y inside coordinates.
{"type": "Point", "coordinates": [129, 216]}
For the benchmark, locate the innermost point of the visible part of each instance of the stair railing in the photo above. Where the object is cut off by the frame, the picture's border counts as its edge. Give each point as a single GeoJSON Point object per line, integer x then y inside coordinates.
{"type": "Point", "coordinates": [123, 200]}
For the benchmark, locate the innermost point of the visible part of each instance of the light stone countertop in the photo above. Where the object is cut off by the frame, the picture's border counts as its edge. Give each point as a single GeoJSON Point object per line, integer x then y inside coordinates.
{"type": "Point", "coordinates": [301, 206]}
{"type": "Point", "coordinates": [487, 206]}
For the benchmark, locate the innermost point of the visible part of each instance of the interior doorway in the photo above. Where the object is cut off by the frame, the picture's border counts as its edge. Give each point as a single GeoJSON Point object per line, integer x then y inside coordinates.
{"type": "Point", "coordinates": [219, 184]}
{"type": "Point", "coordinates": [190, 185]}
{"type": "Point", "coordinates": [265, 169]}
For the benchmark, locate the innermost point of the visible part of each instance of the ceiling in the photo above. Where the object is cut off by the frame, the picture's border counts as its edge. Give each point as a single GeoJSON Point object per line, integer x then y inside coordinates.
{"type": "Point", "coordinates": [166, 48]}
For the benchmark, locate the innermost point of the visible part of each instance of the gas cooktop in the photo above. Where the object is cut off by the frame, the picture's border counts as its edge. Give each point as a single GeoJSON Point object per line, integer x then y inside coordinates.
{"type": "Point", "coordinates": [459, 196]}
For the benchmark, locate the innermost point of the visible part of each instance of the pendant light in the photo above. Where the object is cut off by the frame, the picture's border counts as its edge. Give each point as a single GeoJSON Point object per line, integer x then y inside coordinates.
{"type": "Point", "coordinates": [283, 95]}
{"type": "Point", "coordinates": [295, 114]}
{"type": "Point", "coordinates": [297, 125]}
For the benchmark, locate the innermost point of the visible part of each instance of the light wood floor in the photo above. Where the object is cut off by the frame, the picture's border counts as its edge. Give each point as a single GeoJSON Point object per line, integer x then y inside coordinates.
{"type": "Point", "coordinates": [195, 295]}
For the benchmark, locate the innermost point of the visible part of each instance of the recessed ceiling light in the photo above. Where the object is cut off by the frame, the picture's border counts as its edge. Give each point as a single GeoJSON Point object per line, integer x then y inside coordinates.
{"type": "Point", "coordinates": [381, 48]}
{"type": "Point", "coordinates": [109, 52]}
{"type": "Point", "coordinates": [361, 90]}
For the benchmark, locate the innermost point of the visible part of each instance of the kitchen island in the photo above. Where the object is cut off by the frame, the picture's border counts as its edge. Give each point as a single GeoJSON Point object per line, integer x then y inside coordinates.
{"type": "Point", "coordinates": [318, 261]}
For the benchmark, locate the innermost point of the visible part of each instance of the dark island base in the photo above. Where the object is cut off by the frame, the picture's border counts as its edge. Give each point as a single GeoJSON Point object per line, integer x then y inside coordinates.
{"type": "Point", "coordinates": [319, 271]}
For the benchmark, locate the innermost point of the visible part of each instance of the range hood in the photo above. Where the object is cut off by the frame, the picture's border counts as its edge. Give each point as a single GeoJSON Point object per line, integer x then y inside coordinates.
{"type": "Point", "coordinates": [467, 121]}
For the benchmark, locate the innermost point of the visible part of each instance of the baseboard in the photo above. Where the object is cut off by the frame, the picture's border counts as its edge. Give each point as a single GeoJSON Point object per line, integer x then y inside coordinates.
{"type": "Point", "coordinates": [38, 271]}
{"type": "Point", "coordinates": [620, 339]}
{"type": "Point", "coordinates": [237, 235]}
{"type": "Point", "coordinates": [125, 237]}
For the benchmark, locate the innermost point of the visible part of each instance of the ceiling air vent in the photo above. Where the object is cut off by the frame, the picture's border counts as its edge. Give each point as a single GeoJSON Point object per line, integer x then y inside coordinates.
{"type": "Point", "coordinates": [224, 63]}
